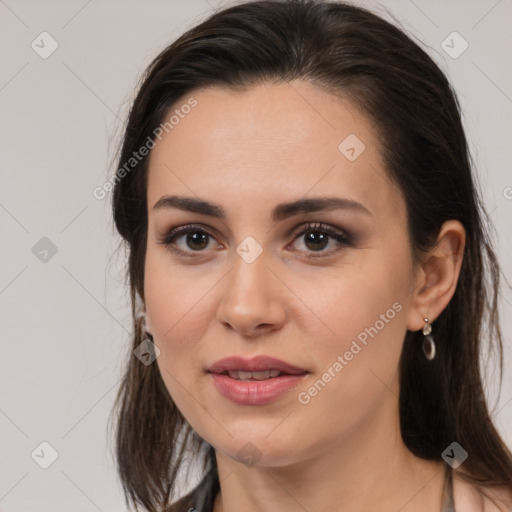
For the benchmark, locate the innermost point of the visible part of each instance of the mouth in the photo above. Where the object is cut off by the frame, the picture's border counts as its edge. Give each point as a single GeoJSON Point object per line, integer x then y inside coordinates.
{"type": "Point", "coordinates": [256, 376]}
{"type": "Point", "coordinates": [257, 381]}
{"type": "Point", "coordinates": [255, 369]}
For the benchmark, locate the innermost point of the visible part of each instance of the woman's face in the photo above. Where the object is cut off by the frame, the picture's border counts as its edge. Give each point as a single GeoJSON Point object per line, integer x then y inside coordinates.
{"type": "Point", "coordinates": [255, 278]}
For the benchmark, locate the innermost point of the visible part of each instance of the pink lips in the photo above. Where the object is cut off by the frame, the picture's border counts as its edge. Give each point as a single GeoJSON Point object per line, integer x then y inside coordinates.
{"type": "Point", "coordinates": [254, 392]}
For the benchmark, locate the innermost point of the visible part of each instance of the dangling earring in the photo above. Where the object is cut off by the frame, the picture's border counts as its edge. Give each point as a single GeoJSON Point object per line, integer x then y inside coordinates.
{"type": "Point", "coordinates": [429, 347]}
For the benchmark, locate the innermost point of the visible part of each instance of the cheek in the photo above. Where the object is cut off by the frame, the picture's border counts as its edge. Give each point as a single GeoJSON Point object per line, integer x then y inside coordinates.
{"type": "Point", "coordinates": [175, 300]}
{"type": "Point", "coordinates": [358, 374]}
{"type": "Point", "coordinates": [178, 307]}
{"type": "Point", "coordinates": [353, 299]}
{"type": "Point", "coordinates": [363, 327]}
{"type": "Point", "coordinates": [177, 331]}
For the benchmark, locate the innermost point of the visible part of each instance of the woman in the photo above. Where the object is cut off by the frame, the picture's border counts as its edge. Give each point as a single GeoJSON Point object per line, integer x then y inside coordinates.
{"type": "Point", "coordinates": [309, 273]}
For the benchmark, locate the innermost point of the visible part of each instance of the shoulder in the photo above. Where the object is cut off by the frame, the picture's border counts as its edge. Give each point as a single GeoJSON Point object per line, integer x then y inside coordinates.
{"type": "Point", "coordinates": [469, 497]}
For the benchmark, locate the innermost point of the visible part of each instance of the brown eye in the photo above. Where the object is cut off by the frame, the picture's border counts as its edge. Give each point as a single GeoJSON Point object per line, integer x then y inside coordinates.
{"type": "Point", "coordinates": [316, 240]}
{"type": "Point", "coordinates": [316, 237]}
{"type": "Point", "coordinates": [196, 240]}
{"type": "Point", "coordinates": [187, 240]}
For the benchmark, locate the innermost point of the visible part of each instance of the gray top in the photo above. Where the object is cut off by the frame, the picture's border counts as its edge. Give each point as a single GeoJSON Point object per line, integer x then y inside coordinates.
{"type": "Point", "coordinates": [202, 497]}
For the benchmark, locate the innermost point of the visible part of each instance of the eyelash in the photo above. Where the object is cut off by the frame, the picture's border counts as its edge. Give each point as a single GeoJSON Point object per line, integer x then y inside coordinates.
{"type": "Point", "coordinates": [343, 238]}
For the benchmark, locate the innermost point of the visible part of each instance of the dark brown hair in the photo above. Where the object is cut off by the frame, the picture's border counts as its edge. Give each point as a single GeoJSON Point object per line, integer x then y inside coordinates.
{"type": "Point", "coordinates": [353, 53]}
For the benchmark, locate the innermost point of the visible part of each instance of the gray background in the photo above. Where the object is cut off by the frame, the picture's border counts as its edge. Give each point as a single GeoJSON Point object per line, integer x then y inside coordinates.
{"type": "Point", "coordinates": [65, 320]}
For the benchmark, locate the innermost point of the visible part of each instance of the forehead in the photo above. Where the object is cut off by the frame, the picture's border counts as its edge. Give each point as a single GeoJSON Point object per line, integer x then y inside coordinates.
{"type": "Point", "coordinates": [281, 141]}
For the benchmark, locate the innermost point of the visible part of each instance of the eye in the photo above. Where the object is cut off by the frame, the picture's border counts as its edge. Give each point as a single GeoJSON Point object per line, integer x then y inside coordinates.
{"type": "Point", "coordinates": [316, 238]}
{"type": "Point", "coordinates": [193, 238]}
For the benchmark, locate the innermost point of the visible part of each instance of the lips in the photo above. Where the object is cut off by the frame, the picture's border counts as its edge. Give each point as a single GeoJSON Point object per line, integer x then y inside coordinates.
{"type": "Point", "coordinates": [257, 381]}
{"type": "Point", "coordinates": [257, 368]}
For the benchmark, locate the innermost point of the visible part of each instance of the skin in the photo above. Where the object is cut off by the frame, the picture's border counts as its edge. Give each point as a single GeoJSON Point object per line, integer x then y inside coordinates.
{"type": "Point", "coordinates": [247, 152]}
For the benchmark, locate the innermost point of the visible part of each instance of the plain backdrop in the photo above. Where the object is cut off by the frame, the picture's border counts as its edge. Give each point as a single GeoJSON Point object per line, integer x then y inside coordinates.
{"type": "Point", "coordinates": [65, 311]}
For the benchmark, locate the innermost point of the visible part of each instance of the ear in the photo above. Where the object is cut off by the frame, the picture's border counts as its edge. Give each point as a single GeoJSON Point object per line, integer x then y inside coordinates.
{"type": "Point", "coordinates": [437, 275]}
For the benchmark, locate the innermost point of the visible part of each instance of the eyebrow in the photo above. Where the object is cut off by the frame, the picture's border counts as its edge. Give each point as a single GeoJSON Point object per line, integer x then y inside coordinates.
{"type": "Point", "coordinates": [280, 212]}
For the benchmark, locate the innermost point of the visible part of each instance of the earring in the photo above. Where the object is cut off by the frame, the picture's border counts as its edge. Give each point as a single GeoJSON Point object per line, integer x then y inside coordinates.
{"type": "Point", "coordinates": [429, 347]}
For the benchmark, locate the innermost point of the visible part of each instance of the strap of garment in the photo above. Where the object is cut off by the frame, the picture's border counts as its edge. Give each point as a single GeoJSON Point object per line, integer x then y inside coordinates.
{"type": "Point", "coordinates": [448, 504]}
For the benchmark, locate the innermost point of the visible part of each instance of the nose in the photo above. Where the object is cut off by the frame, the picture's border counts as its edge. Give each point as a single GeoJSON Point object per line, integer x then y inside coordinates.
{"type": "Point", "coordinates": [253, 298]}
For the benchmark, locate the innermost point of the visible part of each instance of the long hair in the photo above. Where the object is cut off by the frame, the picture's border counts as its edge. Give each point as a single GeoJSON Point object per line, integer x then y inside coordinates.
{"type": "Point", "coordinates": [352, 53]}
